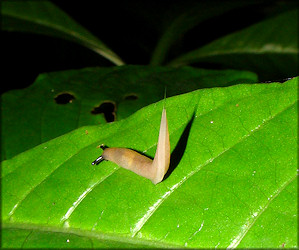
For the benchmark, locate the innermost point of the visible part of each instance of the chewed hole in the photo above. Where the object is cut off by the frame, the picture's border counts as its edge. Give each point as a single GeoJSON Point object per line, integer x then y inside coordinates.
{"type": "Point", "coordinates": [106, 108]}
{"type": "Point", "coordinates": [64, 98]}
{"type": "Point", "coordinates": [131, 97]}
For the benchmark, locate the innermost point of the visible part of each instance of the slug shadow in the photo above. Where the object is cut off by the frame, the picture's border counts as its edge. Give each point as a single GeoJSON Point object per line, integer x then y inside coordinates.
{"type": "Point", "coordinates": [179, 149]}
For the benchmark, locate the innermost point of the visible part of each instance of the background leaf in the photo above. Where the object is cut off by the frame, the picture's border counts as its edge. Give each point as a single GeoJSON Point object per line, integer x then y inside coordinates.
{"type": "Point", "coordinates": [43, 17]}
{"type": "Point", "coordinates": [269, 48]}
{"type": "Point", "coordinates": [190, 15]}
{"type": "Point", "coordinates": [62, 101]}
{"type": "Point", "coordinates": [233, 178]}
{"type": "Point", "coordinates": [172, 27]}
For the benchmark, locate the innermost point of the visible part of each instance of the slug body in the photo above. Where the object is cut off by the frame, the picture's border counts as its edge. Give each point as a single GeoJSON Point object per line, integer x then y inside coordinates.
{"type": "Point", "coordinates": [153, 170]}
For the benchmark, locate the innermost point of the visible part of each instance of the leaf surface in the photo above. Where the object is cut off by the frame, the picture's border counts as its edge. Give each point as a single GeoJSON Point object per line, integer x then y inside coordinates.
{"type": "Point", "coordinates": [59, 102]}
{"type": "Point", "coordinates": [232, 183]}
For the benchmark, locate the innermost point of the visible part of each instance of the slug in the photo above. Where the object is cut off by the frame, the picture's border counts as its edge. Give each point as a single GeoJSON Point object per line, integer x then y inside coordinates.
{"type": "Point", "coordinates": [153, 170]}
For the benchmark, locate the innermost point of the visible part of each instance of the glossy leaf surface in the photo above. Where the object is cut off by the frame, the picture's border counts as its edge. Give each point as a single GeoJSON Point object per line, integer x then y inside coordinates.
{"type": "Point", "coordinates": [60, 102]}
{"type": "Point", "coordinates": [233, 178]}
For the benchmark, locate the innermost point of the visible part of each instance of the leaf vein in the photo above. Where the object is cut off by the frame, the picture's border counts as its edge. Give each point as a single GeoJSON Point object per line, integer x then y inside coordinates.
{"type": "Point", "coordinates": [248, 225]}
{"type": "Point", "coordinates": [156, 205]}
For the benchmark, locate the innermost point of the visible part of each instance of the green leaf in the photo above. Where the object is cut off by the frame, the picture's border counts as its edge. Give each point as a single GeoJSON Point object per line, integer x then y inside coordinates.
{"type": "Point", "coordinates": [268, 48]}
{"type": "Point", "coordinates": [232, 181]}
{"type": "Point", "coordinates": [43, 17]}
{"type": "Point", "coordinates": [59, 102]}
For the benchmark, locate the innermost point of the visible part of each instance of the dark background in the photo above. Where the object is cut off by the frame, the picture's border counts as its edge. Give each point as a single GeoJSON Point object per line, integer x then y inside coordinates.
{"type": "Point", "coordinates": [130, 28]}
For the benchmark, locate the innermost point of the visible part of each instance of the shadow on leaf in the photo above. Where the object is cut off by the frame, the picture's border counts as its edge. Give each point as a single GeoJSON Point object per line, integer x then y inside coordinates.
{"type": "Point", "coordinates": [180, 147]}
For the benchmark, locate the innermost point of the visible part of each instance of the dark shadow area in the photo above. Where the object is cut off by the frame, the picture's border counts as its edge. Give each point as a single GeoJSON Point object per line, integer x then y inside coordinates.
{"type": "Point", "coordinates": [179, 150]}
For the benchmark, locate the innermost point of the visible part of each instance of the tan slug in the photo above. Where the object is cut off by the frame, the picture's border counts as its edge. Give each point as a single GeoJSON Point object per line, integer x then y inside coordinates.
{"type": "Point", "coordinates": [153, 170]}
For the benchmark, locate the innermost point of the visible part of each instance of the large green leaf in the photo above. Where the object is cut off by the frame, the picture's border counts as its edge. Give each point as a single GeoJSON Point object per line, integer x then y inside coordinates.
{"type": "Point", "coordinates": [232, 180]}
{"type": "Point", "coordinates": [269, 48]}
{"type": "Point", "coordinates": [43, 17]}
{"type": "Point", "coordinates": [35, 114]}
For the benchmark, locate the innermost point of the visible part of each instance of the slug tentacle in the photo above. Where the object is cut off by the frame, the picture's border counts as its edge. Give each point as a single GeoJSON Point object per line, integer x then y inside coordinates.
{"type": "Point", "coordinates": [153, 170]}
{"type": "Point", "coordinates": [98, 160]}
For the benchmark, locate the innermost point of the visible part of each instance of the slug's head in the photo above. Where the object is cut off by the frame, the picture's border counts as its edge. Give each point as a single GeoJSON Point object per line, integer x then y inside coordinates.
{"type": "Point", "coordinates": [100, 158]}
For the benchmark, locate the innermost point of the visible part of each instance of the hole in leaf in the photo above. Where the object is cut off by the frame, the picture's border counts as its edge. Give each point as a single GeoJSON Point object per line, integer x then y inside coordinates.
{"type": "Point", "coordinates": [106, 108]}
{"type": "Point", "coordinates": [64, 98]}
{"type": "Point", "coordinates": [131, 97]}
